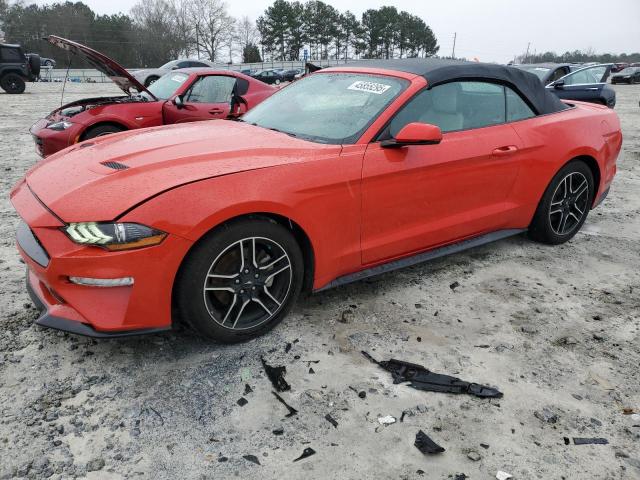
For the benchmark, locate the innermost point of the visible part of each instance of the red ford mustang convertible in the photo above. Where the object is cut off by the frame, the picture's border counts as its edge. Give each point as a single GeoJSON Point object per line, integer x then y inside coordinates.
{"type": "Point", "coordinates": [349, 172]}
{"type": "Point", "coordinates": [185, 95]}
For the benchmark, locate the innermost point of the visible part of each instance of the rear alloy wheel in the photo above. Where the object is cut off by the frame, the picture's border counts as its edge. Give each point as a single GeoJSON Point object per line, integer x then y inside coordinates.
{"type": "Point", "coordinates": [565, 204]}
{"type": "Point", "coordinates": [12, 83]}
{"type": "Point", "coordinates": [240, 281]}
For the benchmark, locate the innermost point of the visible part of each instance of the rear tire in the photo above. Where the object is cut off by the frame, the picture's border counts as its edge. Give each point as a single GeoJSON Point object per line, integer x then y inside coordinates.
{"type": "Point", "coordinates": [150, 80]}
{"type": "Point", "coordinates": [240, 280]}
{"type": "Point", "coordinates": [12, 83]}
{"type": "Point", "coordinates": [565, 204]}
{"type": "Point", "coordinates": [101, 131]}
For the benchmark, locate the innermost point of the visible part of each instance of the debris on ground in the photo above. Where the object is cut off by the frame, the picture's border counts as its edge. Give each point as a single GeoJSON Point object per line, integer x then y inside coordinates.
{"type": "Point", "coordinates": [460, 476]}
{"type": "Point", "coordinates": [252, 459]}
{"type": "Point", "coordinates": [546, 415]}
{"type": "Point", "coordinates": [590, 441]}
{"type": "Point", "coordinates": [388, 420]}
{"type": "Point", "coordinates": [276, 375]}
{"type": "Point", "coordinates": [423, 379]}
{"type": "Point", "coordinates": [474, 456]}
{"type": "Point", "coordinates": [454, 285]}
{"type": "Point", "coordinates": [292, 411]}
{"type": "Point", "coordinates": [347, 317]}
{"type": "Point", "coordinates": [278, 431]}
{"type": "Point", "coordinates": [503, 475]}
{"type": "Point", "coordinates": [307, 452]}
{"type": "Point", "coordinates": [331, 420]}
{"type": "Point", "coordinates": [426, 445]}
{"type": "Point", "coordinates": [242, 401]}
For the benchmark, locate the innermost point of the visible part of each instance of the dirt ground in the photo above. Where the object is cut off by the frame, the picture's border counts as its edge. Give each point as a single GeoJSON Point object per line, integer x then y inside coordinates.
{"type": "Point", "coordinates": [557, 329]}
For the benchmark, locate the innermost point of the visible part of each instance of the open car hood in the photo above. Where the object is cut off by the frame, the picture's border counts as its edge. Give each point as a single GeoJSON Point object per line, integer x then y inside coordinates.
{"type": "Point", "coordinates": [116, 72]}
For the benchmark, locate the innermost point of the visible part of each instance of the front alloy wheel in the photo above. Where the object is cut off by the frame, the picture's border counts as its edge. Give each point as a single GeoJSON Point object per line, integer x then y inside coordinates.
{"type": "Point", "coordinates": [240, 280]}
{"type": "Point", "coordinates": [247, 283]}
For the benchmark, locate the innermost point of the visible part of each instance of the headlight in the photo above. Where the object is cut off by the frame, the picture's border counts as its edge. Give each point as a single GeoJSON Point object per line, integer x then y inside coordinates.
{"type": "Point", "coordinates": [59, 126]}
{"type": "Point", "coordinates": [114, 236]}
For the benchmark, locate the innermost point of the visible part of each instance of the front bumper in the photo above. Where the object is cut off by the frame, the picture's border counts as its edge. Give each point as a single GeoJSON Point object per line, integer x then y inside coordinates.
{"type": "Point", "coordinates": [51, 258]}
{"type": "Point", "coordinates": [50, 141]}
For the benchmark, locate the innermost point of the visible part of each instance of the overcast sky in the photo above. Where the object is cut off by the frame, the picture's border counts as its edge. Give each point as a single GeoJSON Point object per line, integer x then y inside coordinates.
{"type": "Point", "coordinates": [490, 30]}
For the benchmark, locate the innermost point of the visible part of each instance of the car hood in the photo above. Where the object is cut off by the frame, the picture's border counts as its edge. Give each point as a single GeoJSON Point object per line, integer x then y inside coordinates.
{"type": "Point", "coordinates": [101, 178]}
{"type": "Point", "coordinates": [116, 72]}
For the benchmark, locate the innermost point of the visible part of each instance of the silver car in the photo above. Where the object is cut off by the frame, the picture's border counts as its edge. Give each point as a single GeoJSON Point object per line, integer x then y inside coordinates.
{"type": "Point", "coordinates": [150, 75]}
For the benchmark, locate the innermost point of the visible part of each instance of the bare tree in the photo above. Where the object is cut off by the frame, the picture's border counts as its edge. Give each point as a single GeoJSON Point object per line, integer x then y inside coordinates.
{"type": "Point", "coordinates": [183, 25]}
{"type": "Point", "coordinates": [246, 32]}
{"type": "Point", "coordinates": [212, 24]}
{"type": "Point", "coordinates": [158, 31]}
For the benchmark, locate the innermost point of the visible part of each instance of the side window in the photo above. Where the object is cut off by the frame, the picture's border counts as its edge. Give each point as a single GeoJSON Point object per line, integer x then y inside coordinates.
{"type": "Point", "coordinates": [455, 106]}
{"type": "Point", "coordinates": [559, 73]}
{"type": "Point", "coordinates": [588, 75]}
{"type": "Point", "coordinates": [197, 64]}
{"type": "Point", "coordinates": [211, 89]}
{"type": "Point", "coordinates": [183, 64]}
{"type": "Point", "coordinates": [517, 109]}
{"type": "Point", "coordinates": [11, 55]}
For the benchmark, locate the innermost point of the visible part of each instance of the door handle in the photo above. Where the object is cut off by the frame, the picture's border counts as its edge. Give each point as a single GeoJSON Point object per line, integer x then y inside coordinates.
{"type": "Point", "coordinates": [213, 111]}
{"type": "Point", "coordinates": [504, 151]}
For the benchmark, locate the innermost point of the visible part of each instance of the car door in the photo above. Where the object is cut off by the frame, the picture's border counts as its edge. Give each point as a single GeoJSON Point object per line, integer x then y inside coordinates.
{"type": "Point", "coordinates": [423, 196]}
{"type": "Point", "coordinates": [208, 98]}
{"type": "Point", "coordinates": [585, 84]}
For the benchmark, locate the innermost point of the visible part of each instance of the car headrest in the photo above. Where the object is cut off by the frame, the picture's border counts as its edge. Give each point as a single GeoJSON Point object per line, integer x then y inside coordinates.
{"type": "Point", "coordinates": [445, 98]}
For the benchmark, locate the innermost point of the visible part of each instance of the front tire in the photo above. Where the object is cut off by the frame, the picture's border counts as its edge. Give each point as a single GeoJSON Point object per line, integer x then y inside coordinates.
{"type": "Point", "coordinates": [240, 280]}
{"type": "Point", "coordinates": [565, 204]}
{"type": "Point", "coordinates": [12, 83]}
{"type": "Point", "coordinates": [101, 131]}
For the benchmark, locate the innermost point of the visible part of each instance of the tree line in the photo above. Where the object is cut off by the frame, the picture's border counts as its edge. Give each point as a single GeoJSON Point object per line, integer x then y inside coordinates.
{"type": "Point", "coordinates": [156, 31]}
{"type": "Point", "coordinates": [578, 56]}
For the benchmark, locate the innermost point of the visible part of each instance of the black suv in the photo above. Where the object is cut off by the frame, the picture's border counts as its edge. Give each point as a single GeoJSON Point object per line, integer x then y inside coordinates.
{"type": "Point", "coordinates": [16, 68]}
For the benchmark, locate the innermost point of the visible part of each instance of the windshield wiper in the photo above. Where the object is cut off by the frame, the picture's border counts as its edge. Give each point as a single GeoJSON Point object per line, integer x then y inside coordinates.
{"type": "Point", "coordinates": [280, 131]}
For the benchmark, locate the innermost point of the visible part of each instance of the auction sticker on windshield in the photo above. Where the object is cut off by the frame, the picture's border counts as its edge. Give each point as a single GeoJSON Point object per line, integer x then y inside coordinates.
{"type": "Point", "coordinates": [369, 87]}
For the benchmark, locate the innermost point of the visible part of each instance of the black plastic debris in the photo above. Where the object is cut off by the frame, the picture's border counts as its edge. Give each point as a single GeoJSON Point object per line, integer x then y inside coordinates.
{"type": "Point", "coordinates": [276, 375]}
{"type": "Point", "coordinates": [242, 401]}
{"type": "Point", "coordinates": [426, 445]}
{"type": "Point", "coordinates": [460, 476]}
{"type": "Point", "coordinates": [590, 441]}
{"type": "Point", "coordinates": [278, 431]}
{"type": "Point", "coordinates": [292, 411]}
{"type": "Point", "coordinates": [331, 420]}
{"type": "Point", "coordinates": [311, 370]}
{"type": "Point", "coordinates": [423, 379]}
{"type": "Point", "coordinates": [252, 459]}
{"type": "Point", "coordinates": [247, 389]}
{"type": "Point", "coordinates": [454, 285]}
{"type": "Point", "coordinates": [287, 347]}
{"type": "Point", "coordinates": [222, 459]}
{"type": "Point", "coordinates": [307, 452]}
{"type": "Point", "coordinates": [362, 394]}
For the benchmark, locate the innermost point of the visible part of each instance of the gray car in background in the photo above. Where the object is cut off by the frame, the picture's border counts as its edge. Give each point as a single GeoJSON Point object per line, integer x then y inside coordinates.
{"type": "Point", "coordinates": [148, 76]}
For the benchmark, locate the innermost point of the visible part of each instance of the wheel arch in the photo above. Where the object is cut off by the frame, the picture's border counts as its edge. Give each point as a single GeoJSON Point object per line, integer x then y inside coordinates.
{"type": "Point", "coordinates": [101, 123]}
{"type": "Point", "coordinates": [593, 165]}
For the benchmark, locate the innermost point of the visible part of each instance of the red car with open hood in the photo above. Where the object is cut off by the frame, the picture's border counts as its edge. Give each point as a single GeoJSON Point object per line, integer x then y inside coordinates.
{"type": "Point", "coordinates": [349, 172]}
{"type": "Point", "coordinates": [184, 95]}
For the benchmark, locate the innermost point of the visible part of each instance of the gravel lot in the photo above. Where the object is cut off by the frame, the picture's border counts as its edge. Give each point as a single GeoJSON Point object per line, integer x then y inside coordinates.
{"type": "Point", "coordinates": [557, 329]}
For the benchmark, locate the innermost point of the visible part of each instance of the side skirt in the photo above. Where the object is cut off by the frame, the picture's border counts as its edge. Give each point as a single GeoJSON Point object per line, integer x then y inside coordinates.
{"type": "Point", "coordinates": [422, 257]}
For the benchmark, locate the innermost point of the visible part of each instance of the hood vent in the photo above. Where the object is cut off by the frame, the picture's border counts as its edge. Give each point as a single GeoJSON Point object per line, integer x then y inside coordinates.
{"type": "Point", "coordinates": [115, 165]}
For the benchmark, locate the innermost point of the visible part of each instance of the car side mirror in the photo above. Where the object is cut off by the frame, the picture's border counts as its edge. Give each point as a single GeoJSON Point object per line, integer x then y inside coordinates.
{"type": "Point", "coordinates": [558, 84]}
{"type": "Point", "coordinates": [415, 133]}
{"type": "Point", "coordinates": [175, 67]}
{"type": "Point", "coordinates": [178, 101]}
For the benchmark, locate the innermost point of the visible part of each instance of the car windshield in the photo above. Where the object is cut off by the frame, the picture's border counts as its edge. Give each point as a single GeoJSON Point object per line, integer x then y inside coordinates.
{"type": "Point", "coordinates": [628, 71]}
{"type": "Point", "coordinates": [165, 86]}
{"type": "Point", "coordinates": [168, 65]}
{"type": "Point", "coordinates": [540, 72]}
{"type": "Point", "coordinates": [334, 108]}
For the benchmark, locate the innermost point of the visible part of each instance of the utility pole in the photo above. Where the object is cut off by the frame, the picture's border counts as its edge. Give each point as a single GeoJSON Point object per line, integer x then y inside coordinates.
{"type": "Point", "coordinates": [526, 55]}
{"type": "Point", "coordinates": [453, 52]}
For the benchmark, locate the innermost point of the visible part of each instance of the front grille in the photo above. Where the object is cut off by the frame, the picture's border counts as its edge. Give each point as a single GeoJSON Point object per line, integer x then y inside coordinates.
{"type": "Point", "coordinates": [115, 165]}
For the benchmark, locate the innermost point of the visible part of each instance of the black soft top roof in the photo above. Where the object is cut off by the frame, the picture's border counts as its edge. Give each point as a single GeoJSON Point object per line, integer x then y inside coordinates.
{"type": "Point", "coordinates": [438, 71]}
